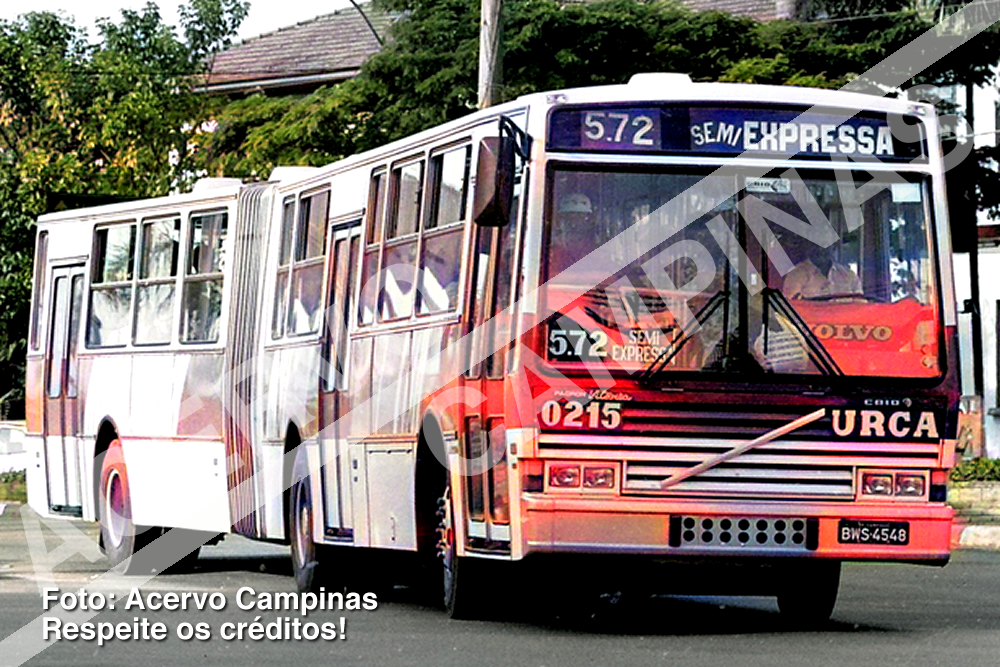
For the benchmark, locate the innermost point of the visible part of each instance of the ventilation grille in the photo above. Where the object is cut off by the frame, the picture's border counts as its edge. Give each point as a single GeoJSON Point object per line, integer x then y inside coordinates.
{"type": "Point", "coordinates": [744, 532]}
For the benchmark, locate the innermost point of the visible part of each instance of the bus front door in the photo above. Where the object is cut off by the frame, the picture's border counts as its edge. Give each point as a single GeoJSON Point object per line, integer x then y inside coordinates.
{"type": "Point", "coordinates": [336, 475]}
{"type": "Point", "coordinates": [62, 405]}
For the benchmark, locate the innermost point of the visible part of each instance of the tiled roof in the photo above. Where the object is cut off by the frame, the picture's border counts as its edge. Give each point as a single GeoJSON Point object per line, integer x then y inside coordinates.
{"type": "Point", "coordinates": [762, 10]}
{"type": "Point", "coordinates": [325, 49]}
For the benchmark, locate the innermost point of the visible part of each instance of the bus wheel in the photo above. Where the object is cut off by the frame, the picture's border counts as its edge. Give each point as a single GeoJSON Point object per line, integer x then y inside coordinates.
{"type": "Point", "coordinates": [462, 578]}
{"type": "Point", "coordinates": [121, 538]}
{"type": "Point", "coordinates": [808, 593]}
{"type": "Point", "coordinates": [309, 560]}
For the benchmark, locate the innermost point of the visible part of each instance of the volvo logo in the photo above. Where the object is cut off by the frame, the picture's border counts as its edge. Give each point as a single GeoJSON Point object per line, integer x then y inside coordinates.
{"type": "Point", "coordinates": [880, 333]}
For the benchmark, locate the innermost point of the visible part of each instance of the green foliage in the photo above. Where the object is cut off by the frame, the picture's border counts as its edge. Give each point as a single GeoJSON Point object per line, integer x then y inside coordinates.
{"type": "Point", "coordinates": [13, 487]}
{"type": "Point", "coordinates": [258, 133]}
{"type": "Point", "coordinates": [118, 117]}
{"type": "Point", "coordinates": [209, 25]}
{"type": "Point", "coordinates": [977, 470]}
{"type": "Point", "coordinates": [427, 72]}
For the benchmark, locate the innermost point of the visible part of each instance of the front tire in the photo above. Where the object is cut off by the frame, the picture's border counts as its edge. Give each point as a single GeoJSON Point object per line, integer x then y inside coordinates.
{"type": "Point", "coordinates": [808, 594]}
{"type": "Point", "coordinates": [463, 597]}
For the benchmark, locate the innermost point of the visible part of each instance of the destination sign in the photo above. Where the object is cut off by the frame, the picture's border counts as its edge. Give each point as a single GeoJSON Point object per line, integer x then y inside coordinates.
{"type": "Point", "coordinates": [714, 130]}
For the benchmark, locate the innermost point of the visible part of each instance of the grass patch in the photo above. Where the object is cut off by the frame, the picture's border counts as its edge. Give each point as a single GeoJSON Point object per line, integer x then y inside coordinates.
{"type": "Point", "coordinates": [977, 470]}
{"type": "Point", "coordinates": [13, 487]}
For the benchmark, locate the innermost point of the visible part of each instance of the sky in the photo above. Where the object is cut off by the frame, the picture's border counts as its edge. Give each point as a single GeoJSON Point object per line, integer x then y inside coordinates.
{"type": "Point", "coordinates": [264, 16]}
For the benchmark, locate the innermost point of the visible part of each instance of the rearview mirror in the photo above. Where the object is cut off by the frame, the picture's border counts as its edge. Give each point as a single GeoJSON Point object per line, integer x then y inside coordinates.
{"type": "Point", "coordinates": [494, 182]}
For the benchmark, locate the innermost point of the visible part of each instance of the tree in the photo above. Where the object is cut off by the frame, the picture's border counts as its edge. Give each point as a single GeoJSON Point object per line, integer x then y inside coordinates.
{"type": "Point", "coordinates": [115, 118]}
{"type": "Point", "coordinates": [427, 75]}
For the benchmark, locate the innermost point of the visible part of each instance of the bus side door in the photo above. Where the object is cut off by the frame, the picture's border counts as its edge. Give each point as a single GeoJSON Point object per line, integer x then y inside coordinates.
{"type": "Point", "coordinates": [334, 404]}
{"type": "Point", "coordinates": [486, 492]}
{"type": "Point", "coordinates": [62, 405]}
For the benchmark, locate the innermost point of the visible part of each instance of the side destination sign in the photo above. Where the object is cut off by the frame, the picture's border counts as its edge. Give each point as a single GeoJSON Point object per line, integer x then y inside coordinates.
{"type": "Point", "coordinates": [715, 130]}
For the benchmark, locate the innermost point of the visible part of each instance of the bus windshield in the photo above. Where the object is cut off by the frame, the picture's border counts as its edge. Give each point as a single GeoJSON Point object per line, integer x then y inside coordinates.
{"type": "Point", "coordinates": [808, 272]}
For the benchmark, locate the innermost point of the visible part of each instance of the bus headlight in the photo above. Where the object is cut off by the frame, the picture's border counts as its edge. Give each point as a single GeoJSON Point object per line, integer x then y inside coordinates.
{"type": "Point", "coordinates": [602, 477]}
{"type": "Point", "coordinates": [910, 485]}
{"type": "Point", "coordinates": [564, 476]}
{"type": "Point", "coordinates": [893, 484]}
{"type": "Point", "coordinates": [876, 484]}
{"type": "Point", "coordinates": [582, 476]}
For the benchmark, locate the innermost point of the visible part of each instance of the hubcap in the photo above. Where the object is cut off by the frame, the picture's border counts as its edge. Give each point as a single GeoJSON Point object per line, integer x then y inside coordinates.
{"type": "Point", "coordinates": [114, 508]}
{"type": "Point", "coordinates": [446, 540]}
{"type": "Point", "coordinates": [303, 529]}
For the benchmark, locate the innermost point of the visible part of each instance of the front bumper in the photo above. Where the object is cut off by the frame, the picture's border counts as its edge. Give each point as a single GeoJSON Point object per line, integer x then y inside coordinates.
{"type": "Point", "coordinates": [643, 526]}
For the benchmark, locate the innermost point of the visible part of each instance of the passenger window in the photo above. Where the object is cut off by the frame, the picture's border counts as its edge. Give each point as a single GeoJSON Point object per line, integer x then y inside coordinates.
{"type": "Point", "coordinates": [376, 202]}
{"type": "Point", "coordinates": [110, 312]}
{"type": "Point", "coordinates": [158, 251]}
{"type": "Point", "coordinates": [373, 237]}
{"type": "Point", "coordinates": [450, 178]}
{"type": "Point", "coordinates": [37, 314]}
{"type": "Point", "coordinates": [407, 182]}
{"type": "Point", "coordinates": [440, 263]}
{"type": "Point", "coordinates": [307, 267]}
{"type": "Point", "coordinates": [284, 268]}
{"type": "Point", "coordinates": [399, 258]}
{"type": "Point", "coordinates": [369, 269]}
{"type": "Point", "coordinates": [203, 282]}
{"type": "Point", "coordinates": [441, 251]}
{"type": "Point", "coordinates": [398, 261]}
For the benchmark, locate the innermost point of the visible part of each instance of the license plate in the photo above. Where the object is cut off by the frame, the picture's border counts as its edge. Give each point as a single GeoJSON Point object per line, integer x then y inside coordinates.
{"type": "Point", "coordinates": [873, 532]}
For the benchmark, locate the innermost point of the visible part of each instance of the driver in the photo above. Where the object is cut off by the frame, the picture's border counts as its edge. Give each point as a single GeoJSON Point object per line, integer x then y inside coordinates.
{"type": "Point", "coordinates": [819, 274]}
{"type": "Point", "coordinates": [572, 231]}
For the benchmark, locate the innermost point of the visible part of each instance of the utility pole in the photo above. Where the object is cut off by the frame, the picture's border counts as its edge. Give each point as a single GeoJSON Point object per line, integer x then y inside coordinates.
{"type": "Point", "coordinates": [978, 371]}
{"type": "Point", "coordinates": [489, 53]}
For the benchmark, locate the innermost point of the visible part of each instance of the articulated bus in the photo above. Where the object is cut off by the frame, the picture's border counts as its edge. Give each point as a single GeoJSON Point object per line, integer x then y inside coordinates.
{"type": "Point", "coordinates": [658, 323]}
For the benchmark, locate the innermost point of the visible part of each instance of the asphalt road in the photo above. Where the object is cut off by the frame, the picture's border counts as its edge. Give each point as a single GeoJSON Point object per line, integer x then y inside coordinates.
{"type": "Point", "coordinates": [886, 615]}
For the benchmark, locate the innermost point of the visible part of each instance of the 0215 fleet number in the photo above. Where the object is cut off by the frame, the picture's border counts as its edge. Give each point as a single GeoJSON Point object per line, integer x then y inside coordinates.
{"type": "Point", "coordinates": [574, 414]}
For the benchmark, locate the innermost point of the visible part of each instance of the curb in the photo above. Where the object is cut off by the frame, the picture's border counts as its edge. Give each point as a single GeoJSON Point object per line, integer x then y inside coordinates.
{"type": "Point", "coordinates": [979, 537]}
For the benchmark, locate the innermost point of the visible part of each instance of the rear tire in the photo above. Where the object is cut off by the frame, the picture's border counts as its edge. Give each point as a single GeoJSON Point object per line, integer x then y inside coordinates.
{"type": "Point", "coordinates": [311, 562]}
{"type": "Point", "coordinates": [808, 593]}
{"type": "Point", "coordinates": [121, 538]}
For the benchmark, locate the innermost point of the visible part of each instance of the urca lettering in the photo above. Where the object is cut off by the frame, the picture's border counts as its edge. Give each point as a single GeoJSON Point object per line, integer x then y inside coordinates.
{"type": "Point", "coordinates": [876, 424]}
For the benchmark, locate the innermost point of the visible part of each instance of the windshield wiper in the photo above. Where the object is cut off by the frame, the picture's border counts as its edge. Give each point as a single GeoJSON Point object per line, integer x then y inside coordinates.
{"type": "Point", "coordinates": [684, 335]}
{"type": "Point", "coordinates": [817, 353]}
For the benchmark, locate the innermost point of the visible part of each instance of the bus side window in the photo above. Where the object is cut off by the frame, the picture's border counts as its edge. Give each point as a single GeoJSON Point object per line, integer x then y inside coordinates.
{"type": "Point", "coordinates": [373, 239]}
{"type": "Point", "coordinates": [202, 304]}
{"type": "Point", "coordinates": [284, 268]}
{"type": "Point", "coordinates": [399, 256]}
{"type": "Point", "coordinates": [41, 258]}
{"type": "Point", "coordinates": [154, 309]}
{"type": "Point", "coordinates": [304, 313]}
{"type": "Point", "coordinates": [441, 251]}
{"type": "Point", "coordinates": [110, 319]}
